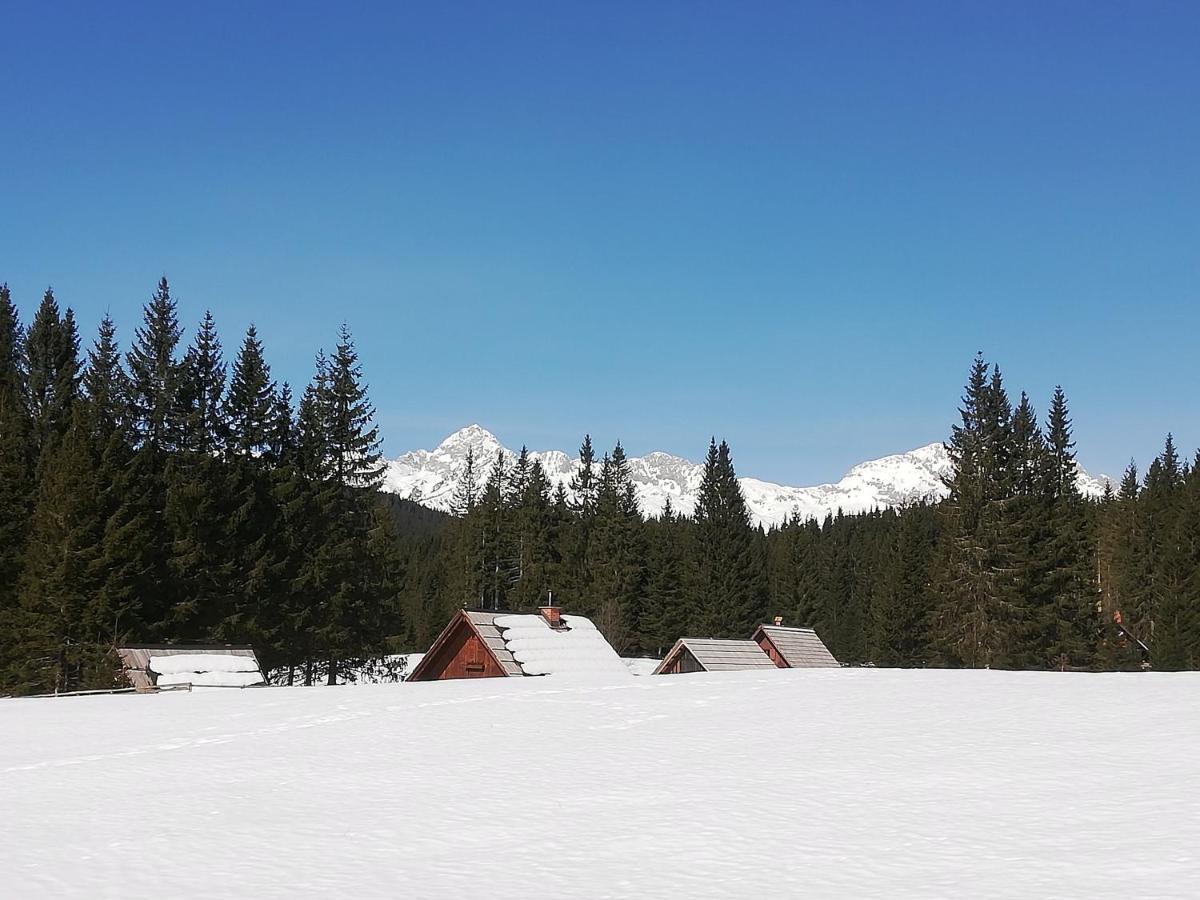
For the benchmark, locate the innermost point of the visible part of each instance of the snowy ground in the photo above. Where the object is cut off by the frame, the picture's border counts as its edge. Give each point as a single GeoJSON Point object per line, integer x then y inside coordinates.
{"type": "Point", "coordinates": [821, 783]}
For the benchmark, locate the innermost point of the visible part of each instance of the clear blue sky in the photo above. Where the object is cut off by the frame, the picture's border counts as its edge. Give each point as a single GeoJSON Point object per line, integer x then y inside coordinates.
{"type": "Point", "coordinates": [788, 224]}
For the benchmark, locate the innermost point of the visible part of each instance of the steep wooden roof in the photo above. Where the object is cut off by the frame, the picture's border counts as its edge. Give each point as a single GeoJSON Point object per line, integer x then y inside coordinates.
{"type": "Point", "coordinates": [716, 655]}
{"type": "Point", "coordinates": [800, 648]}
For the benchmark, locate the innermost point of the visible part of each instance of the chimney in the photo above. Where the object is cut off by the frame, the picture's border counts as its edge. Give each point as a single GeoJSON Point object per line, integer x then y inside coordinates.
{"type": "Point", "coordinates": [552, 615]}
{"type": "Point", "coordinates": [779, 620]}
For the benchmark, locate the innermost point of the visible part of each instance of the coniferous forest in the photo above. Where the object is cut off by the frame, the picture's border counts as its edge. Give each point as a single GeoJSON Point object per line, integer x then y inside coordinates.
{"type": "Point", "coordinates": [171, 490]}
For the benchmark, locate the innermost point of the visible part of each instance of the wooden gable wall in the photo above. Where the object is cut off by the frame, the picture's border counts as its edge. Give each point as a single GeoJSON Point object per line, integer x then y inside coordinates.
{"type": "Point", "coordinates": [462, 654]}
{"type": "Point", "coordinates": [771, 650]}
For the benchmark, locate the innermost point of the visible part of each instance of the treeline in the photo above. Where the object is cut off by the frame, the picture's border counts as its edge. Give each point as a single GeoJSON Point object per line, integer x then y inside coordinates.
{"type": "Point", "coordinates": [163, 495]}
{"type": "Point", "coordinates": [1015, 569]}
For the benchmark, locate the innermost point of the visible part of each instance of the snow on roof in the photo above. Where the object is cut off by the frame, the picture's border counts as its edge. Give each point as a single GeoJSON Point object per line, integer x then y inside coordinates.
{"type": "Point", "coordinates": [211, 679]}
{"type": "Point", "coordinates": [201, 662]}
{"type": "Point", "coordinates": [136, 660]}
{"type": "Point", "coordinates": [205, 670]}
{"type": "Point", "coordinates": [639, 665]}
{"type": "Point", "coordinates": [577, 649]}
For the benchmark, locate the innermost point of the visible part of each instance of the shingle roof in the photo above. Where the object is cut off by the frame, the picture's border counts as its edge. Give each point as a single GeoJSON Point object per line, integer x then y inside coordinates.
{"type": "Point", "coordinates": [720, 656]}
{"type": "Point", "coordinates": [799, 647]}
{"type": "Point", "coordinates": [485, 624]}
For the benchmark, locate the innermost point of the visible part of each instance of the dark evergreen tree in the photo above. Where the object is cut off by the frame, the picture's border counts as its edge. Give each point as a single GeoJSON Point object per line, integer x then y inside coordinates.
{"type": "Point", "coordinates": [63, 638]}
{"type": "Point", "coordinates": [498, 554]}
{"type": "Point", "coordinates": [52, 351]}
{"type": "Point", "coordinates": [1071, 625]}
{"type": "Point", "coordinates": [251, 411]}
{"type": "Point", "coordinates": [199, 496]}
{"type": "Point", "coordinates": [106, 387]}
{"type": "Point", "coordinates": [665, 617]}
{"type": "Point", "coordinates": [900, 617]}
{"type": "Point", "coordinates": [978, 613]}
{"type": "Point", "coordinates": [16, 451]}
{"type": "Point", "coordinates": [584, 487]}
{"type": "Point", "coordinates": [537, 556]}
{"type": "Point", "coordinates": [197, 416]}
{"type": "Point", "coordinates": [730, 587]}
{"type": "Point", "coordinates": [351, 435]}
{"type": "Point", "coordinates": [1166, 606]}
{"type": "Point", "coordinates": [360, 594]}
{"type": "Point", "coordinates": [154, 371]}
{"type": "Point", "coordinates": [616, 556]}
{"type": "Point", "coordinates": [466, 491]}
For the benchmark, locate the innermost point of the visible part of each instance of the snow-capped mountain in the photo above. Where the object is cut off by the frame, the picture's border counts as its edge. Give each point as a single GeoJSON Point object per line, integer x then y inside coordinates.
{"type": "Point", "coordinates": [430, 476]}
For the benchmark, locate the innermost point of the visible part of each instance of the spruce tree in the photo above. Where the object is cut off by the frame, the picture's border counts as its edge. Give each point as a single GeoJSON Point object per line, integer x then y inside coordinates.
{"type": "Point", "coordinates": [52, 351]}
{"type": "Point", "coordinates": [281, 438]}
{"type": "Point", "coordinates": [465, 580]}
{"type": "Point", "coordinates": [204, 543]}
{"type": "Point", "coordinates": [351, 434]}
{"type": "Point", "coordinates": [261, 434]}
{"type": "Point", "coordinates": [64, 637]}
{"type": "Point", "coordinates": [584, 486]}
{"type": "Point", "coordinates": [900, 616]}
{"type": "Point", "coordinates": [665, 618]}
{"type": "Point", "coordinates": [1166, 604]}
{"type": "Point", "coordinates": [154, 371]}
{"type": "Point", "coordinates": [312, 449]}
{"type": "Point", "coordinates": [976, 616]}
{"type": "Point", "coordinates": [357, 592]}
{"type": "Point", "coordinates": [198, 415]}
{"type": "Point", "coordinates": [250, 408]}
{"type": "Point", "coordinates": [1071, 628]}
{"type": "Point", "coordinates": [616, 555]}
{"type": "Point", "coordinates": [1129, 577]}
{"type": "Point", "coordinates": [198, 495]}
{"type": "Point", "coordinates": [498, 553]}
{"type": "Point", "coordinates": [731, 561]}
{"type": "Point", "coordinates": [466, 490]}
{"type": "Point", "coordinates": [1028, 551]}
{"type": "Point", "coordinates": [106, 386]}
{"type": "Point", "coordinates": [16, 457]}
{"type": "Point", "coordinates": [537, 557]}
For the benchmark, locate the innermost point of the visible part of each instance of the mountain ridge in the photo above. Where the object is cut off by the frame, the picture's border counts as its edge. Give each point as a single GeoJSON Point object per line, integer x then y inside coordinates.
{"type": "Point", "coordinates": [429, 477]}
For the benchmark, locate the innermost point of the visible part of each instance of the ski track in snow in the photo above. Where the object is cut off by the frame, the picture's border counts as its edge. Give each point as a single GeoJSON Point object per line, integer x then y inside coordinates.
{"type": "Point", "coordinates": [832, 783]}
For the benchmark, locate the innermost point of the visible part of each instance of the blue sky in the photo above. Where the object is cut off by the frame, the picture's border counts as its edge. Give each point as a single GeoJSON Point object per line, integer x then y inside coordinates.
{"type": "Point", "coordinates": [791, 225]}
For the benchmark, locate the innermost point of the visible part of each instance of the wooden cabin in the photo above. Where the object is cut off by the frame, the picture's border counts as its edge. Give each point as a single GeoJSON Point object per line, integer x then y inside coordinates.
{"type": "Point", "coordinates": [711, 655]}
{"type": "Point", "coordinates": [772, 646]}
{"type": "Point", "coordinates": [148, 666]}
{"type": "Point", "coordinates": [499, 644]}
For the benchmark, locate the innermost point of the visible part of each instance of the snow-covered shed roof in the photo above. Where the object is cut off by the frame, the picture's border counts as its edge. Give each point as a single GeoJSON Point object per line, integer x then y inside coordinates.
{"type": "Point", "coordinates": [530, 645]}
{"type": "Point", "coordinates": [211, 665]}
{"type": "Point", "coordinates": [800, 648]}
{"type": "Point", "coordinates": [716, 655]}
{"type": "Point", "coordinates": [574, 648]}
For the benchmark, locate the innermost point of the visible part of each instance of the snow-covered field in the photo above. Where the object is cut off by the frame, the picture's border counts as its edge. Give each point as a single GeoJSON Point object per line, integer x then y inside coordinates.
{"type": "Point", "coordinates": [821, 783]}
